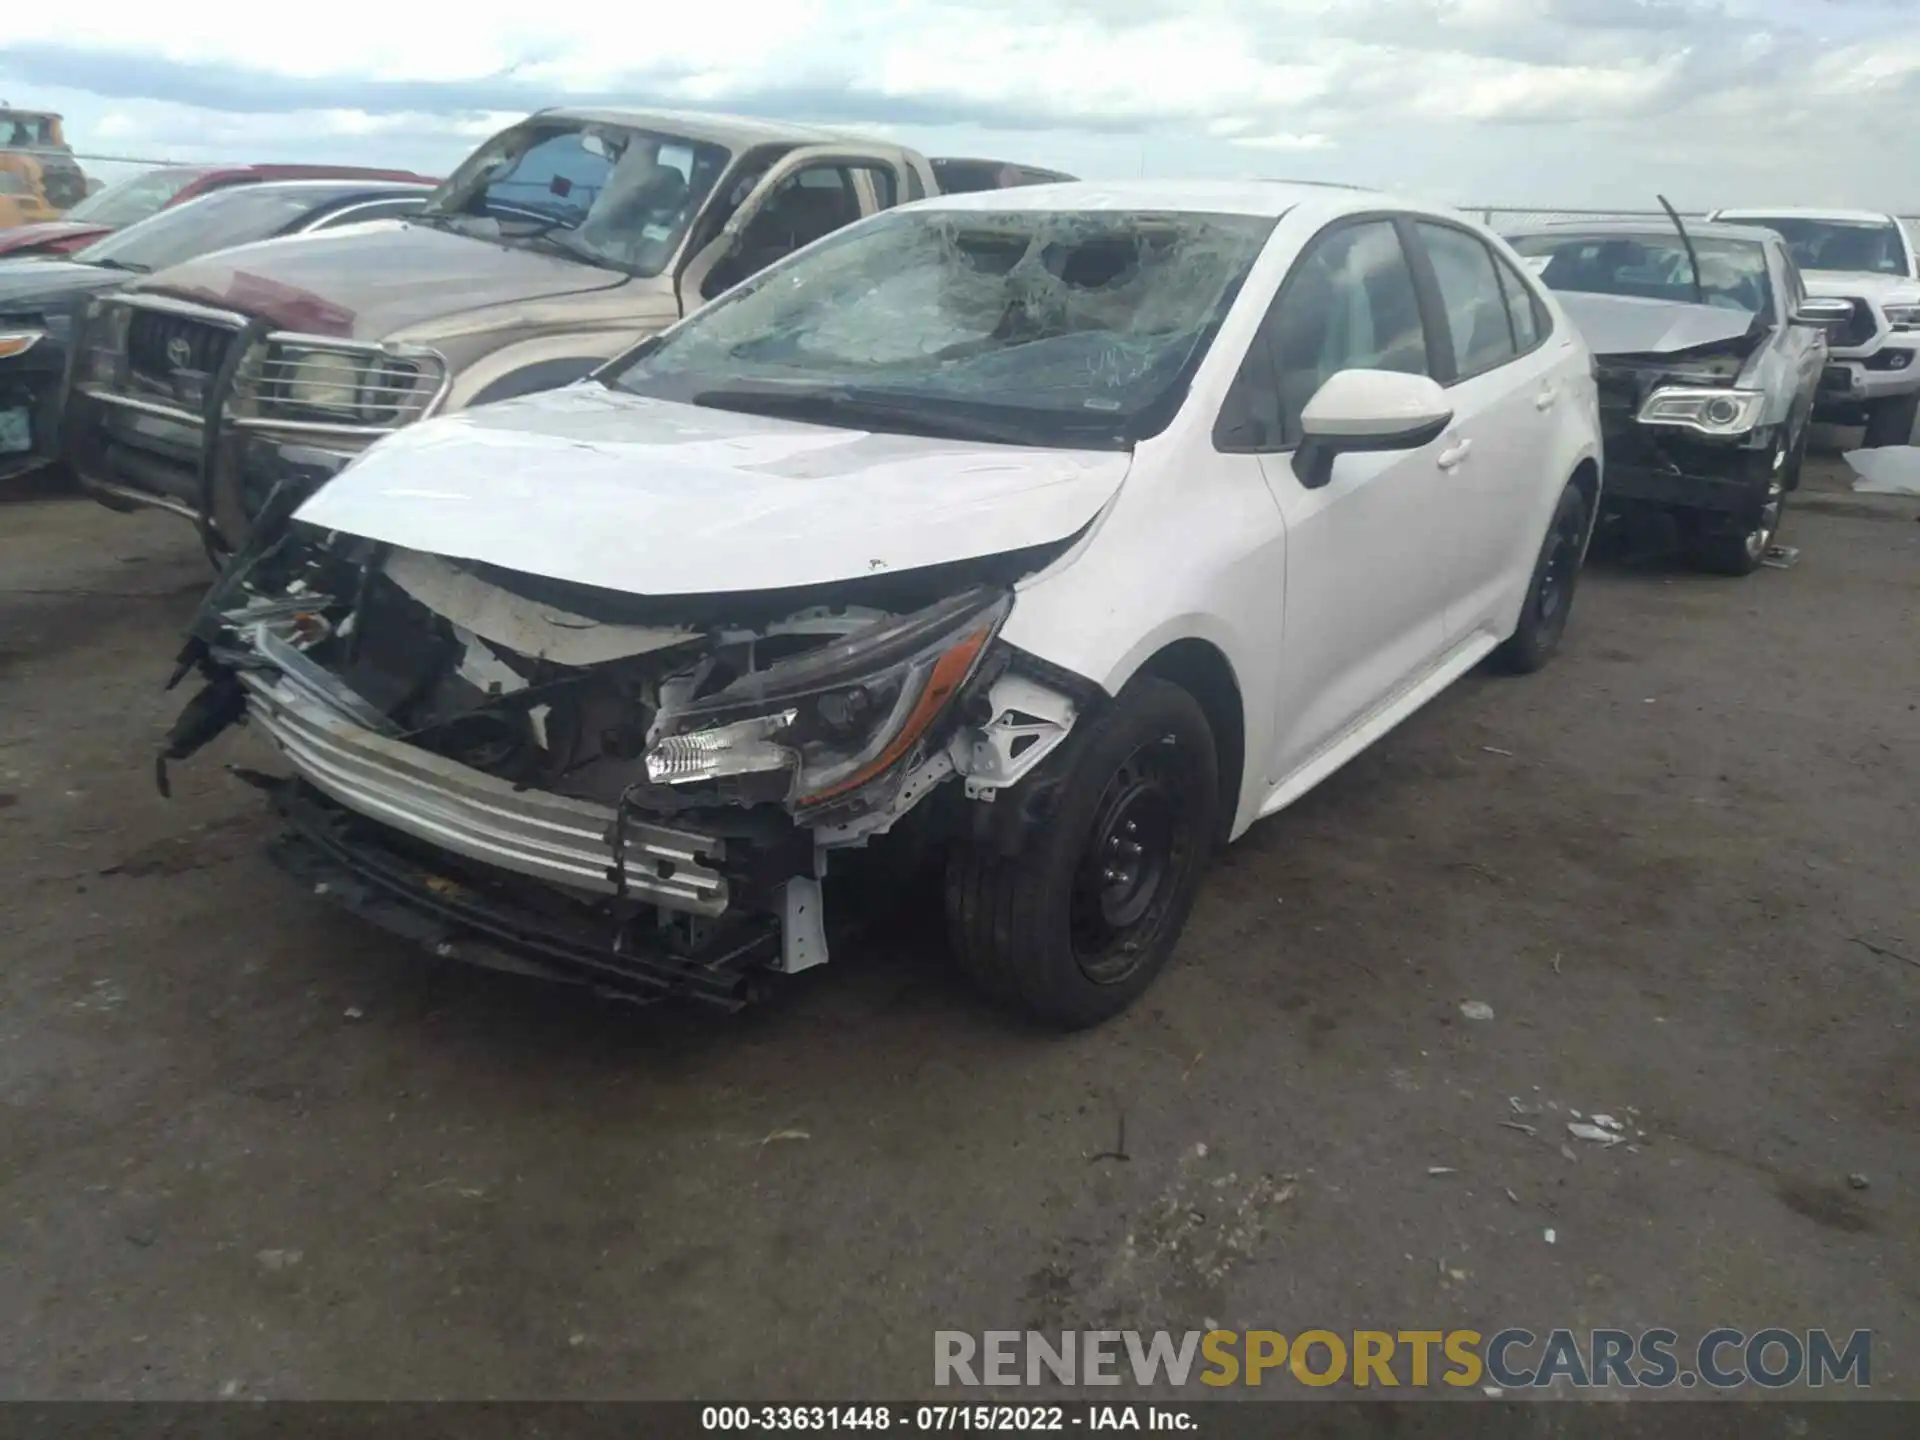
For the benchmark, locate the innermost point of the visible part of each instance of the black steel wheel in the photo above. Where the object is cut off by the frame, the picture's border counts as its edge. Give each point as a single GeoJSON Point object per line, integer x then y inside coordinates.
{"type": "Point", "coordinates": [1556, 575]}
{"type": "Point", "coordinates": [1075, 924]}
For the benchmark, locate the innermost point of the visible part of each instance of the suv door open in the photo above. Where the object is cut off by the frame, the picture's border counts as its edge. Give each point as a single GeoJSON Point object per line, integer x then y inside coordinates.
{"type": "Point", "coordinates": [806, 194]}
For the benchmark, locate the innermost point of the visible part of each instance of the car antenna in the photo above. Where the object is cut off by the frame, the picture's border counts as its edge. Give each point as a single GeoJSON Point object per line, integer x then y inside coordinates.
{"type": "Point", "coordinates": [1693, 259]}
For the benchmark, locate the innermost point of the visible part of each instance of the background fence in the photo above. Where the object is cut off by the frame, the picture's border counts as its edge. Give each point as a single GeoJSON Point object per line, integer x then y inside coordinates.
{"type": "Point", "coordinates": [111, 168]}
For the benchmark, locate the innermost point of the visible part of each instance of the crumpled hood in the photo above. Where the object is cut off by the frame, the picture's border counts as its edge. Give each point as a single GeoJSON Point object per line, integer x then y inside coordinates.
{"type": "Point", "coordinates": [595, 487]}
{"type": "Point", "coordinates": [1631, 325]}
{"type": "Point", "coordinates": [1868, 285]}
{"type": "Point", "coordinates": [371, 282]}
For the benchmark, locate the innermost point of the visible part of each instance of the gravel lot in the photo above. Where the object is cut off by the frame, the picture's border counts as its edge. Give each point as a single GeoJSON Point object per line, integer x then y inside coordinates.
{"type": "Point", "coordinates": [250, 1147]}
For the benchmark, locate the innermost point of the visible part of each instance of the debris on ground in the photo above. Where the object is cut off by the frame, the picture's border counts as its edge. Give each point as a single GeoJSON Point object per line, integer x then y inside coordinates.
{"type": "Point", "coordinates": [1594, 1134]}
{"type": "Point", "coordinates": [1857, 1182]}
{"type": "Point", "coordinates": [1551, 1238]}
{"type": "Point", "coordinates": [1516, 1125]}
{"type": "Point", "coordinates": [1441, 1170]}
{"type": "Point", "coordinates": [278, 1259]}
{"type": "Point", "coordinates": [1781, 557]}
{"type": "Point", "coordinates": [1496, 750]}
{"type": "Point", "coordinates": [353, 1012]}
{"type": "Point", "coordinates": [1513, 1197]}
{"type": "Point", "coordinates": [1476, 1010]}
{"type": "Point", "coordinates": [1885, 470]}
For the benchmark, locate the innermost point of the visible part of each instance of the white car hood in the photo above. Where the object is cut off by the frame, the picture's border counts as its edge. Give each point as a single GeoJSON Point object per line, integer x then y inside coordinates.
{"type": "Point", "coordinates": [1846, 284]}
{"type": "Point", "coordinates": [596, 487]}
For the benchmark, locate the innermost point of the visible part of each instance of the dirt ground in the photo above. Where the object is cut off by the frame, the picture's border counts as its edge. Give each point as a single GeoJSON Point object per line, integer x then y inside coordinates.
{"type": "Point", "coordinates": [249, 1147]}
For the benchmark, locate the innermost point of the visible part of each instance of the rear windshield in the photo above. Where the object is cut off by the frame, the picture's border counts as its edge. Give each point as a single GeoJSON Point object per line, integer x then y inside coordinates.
{"type": "Point", "coordinates": [1058, 327]}
{"type": "Point", "coordinates": [1872, 246]}
{"type": "Point", "coordinates": [1733, 273]}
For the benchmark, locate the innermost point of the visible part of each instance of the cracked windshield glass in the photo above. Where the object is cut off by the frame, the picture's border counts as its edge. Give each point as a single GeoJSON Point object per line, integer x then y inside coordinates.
{"type": "Point", "coordinates": [1056, 325]}
{"type": "Point", "coordinates": [607, 194]}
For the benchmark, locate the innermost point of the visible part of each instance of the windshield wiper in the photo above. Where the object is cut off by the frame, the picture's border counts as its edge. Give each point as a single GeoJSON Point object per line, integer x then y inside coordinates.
{"type": "Point", "coordinates": [854, 410]}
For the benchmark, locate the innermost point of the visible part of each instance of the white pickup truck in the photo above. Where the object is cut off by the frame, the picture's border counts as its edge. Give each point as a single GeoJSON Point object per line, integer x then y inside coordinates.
{"type": "Point", "coordinates": [1872, 376]}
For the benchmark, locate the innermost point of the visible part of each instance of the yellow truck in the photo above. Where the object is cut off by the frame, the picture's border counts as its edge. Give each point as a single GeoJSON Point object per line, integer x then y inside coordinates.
{"type": "Point", "coordinates": [39, 178]}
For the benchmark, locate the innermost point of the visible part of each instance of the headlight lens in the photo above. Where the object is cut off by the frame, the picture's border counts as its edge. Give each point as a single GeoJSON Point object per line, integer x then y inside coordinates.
{"type": "Point", "coordinates": [366, 389]}
{"type": "Point", "coordinates": [1903, 317]}
{"type": "Point", "coordinates": [1711, 412]}
{"type": "Point", "coordinates": [839, 717]}
{"type": "Point", "coordinates": [18, 342]}
{"type": "Point", "coordinates": [102, 341]}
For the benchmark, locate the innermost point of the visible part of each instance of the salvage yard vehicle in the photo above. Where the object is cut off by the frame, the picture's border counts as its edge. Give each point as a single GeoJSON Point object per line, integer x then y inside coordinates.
{"type": "Point", "coordinates": [34, 149]}
{"type": "Point", "coordinates": [1708, 353]}
{"type": "Point", "coordinates": [41, 299]}
{"type": "Point", "coordinates": [555, 246]}
{"type": "Point", "coordinates": [1070, 529]}
{"type": "Point", "coordinates": [1868, 260]}
{"type": "Point", "coordinates": [114, 207]}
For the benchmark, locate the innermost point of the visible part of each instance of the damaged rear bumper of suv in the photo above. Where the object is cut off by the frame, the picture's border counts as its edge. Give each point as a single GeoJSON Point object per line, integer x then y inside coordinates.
{"type": "Point", "coordinates": [642, 803]}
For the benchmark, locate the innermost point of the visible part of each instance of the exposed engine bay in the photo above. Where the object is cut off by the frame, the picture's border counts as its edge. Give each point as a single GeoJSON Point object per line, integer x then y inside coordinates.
{"type": "Point", "coordinates": [641, 792]}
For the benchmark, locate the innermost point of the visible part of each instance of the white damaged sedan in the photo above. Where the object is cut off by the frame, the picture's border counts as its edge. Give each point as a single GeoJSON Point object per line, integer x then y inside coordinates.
{"type": "Point", "coordinates": [1071, 529]}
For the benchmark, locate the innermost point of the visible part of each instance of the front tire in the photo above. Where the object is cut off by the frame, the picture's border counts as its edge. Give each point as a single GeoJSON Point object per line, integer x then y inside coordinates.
{"type": "Point", "coordinates": [1890, 422]}
{"type": "Point", "coordinates": [1556, 573]}
{"type": "Point", "coordinates": [1738, 549]}
{"type": "Point", "coordinates": [1075, 927]}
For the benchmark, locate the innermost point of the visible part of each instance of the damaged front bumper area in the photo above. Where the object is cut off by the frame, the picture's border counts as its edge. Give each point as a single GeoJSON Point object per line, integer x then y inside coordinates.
{"type": "Point", "coordinates": [635, 794]}
{"type": "Point", "coordinates": [1666, 448]}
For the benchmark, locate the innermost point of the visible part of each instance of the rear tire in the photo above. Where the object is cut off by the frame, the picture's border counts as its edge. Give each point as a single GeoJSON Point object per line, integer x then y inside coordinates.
{"type": "Point", "coordinates": [1556, 573]}
{"type": "Point", "coordinates": [1074, 928]}
{"type": "Point", "coordinates": [1890, 422]}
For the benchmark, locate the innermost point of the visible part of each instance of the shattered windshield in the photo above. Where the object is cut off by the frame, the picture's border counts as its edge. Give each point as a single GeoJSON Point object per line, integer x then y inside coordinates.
{"type": "Point", "coordinates": [1026, 327]}
{"type": "Point", "coordinates": [604, 194]}
{"type": "Point", "coordinates": [1733, 273]}
{"type": "Point", "coordinates": [1873, 247]}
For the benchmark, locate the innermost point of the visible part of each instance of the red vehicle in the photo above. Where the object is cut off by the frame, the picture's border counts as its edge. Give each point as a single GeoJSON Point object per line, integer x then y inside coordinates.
{"type": "Point", "coordinates": [155, 190]}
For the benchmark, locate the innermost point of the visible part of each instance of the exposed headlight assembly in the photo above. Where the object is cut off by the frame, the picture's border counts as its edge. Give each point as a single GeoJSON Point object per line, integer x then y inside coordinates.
{"type": "Point", "coordinates": [1711, 412]}
{"type": "Point", "coordinates": [18, 342]}
{"type": "Point", "coordinates": [837, 718]}
{"type": "Point", "coordinates": [1903, 317]}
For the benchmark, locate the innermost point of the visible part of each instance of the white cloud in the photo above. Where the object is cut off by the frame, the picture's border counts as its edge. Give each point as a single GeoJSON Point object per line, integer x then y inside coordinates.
{"type": "Point", "coordinates": [1559, 100]}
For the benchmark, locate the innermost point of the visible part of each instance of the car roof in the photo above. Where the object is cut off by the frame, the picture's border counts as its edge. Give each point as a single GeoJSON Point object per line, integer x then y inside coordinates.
{"type": "Point", "coordinates": [1808, 212]}
{"type": "Point", "coordinates": [1269, 199]}
{"type": "Point", "coordinates": [1650, 225]}
{"type": "Point", "coordinates": [341, 185]}
{"type": "Point", "coordinates": [732, 131]}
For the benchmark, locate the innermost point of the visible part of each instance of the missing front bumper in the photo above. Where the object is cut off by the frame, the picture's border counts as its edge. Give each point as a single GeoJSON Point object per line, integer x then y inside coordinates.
{"type": "Point", "coordinates": [467, 915]}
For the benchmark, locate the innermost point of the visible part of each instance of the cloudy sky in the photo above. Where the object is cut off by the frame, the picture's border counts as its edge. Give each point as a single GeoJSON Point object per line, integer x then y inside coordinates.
{"type": "Point", "coordinates": [1547, 103]}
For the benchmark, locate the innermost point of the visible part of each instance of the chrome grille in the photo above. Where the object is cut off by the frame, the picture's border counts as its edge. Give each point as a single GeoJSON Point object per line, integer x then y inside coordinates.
{"type": "Point", "coordinates": [175, 354]}
{"type": "Point", "coordinates": [1857, 331]}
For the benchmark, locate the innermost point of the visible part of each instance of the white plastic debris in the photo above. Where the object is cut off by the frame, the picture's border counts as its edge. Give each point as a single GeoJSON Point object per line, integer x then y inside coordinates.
{"type": "Point", "coordinates": [1608, 1122]}
{"type": "Point", "coordinates": [1594, 1133]}
{"type": "Point", "coordinates": [1441, 1170]}
{"type": "Point", "coordinates": [1551, 1238]}
{"type": "Point", "coordinates": [1887, 470]}
{"type": "Point", "coordinates": [1476, 1010]}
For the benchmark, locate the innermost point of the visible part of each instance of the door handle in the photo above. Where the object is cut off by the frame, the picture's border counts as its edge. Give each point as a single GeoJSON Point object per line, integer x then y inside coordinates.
{"type": "Point", "coordinates": [1450, 458]}
{"type": "Point", "coordinates": [1544, 400]}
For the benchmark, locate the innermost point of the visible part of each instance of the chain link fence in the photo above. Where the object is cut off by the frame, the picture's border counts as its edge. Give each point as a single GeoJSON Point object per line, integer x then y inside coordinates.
{"type": "Point", "coordinates": [104, 168]}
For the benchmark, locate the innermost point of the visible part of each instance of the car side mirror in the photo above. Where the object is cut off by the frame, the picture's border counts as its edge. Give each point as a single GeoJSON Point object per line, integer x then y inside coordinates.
{"type": "Point", "coordinates": [1367, 410]}
{"type": "Point", "coordinates": [1823, 313]}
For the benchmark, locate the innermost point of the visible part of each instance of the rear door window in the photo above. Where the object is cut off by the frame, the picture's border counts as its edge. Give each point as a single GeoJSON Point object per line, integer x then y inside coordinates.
{"type": "Point", "coordinates": [1478, 319]}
